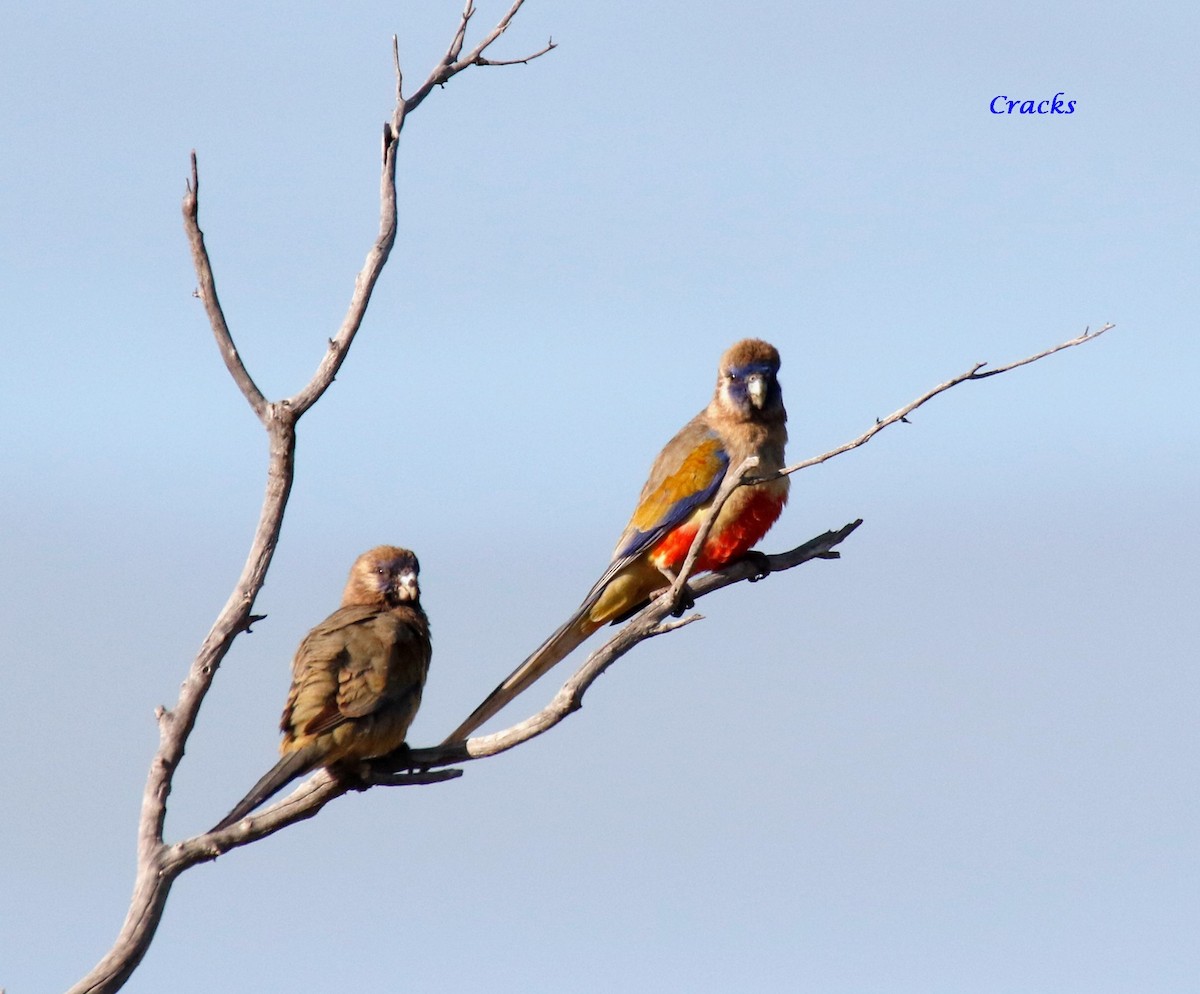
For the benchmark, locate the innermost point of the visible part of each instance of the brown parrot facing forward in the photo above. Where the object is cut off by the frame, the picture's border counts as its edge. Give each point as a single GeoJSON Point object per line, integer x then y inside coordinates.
{"type": "Point", "coordinates": [356, 678]}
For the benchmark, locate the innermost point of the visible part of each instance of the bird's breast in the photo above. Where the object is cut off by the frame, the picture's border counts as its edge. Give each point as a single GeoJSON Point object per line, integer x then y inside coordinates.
{"type": "Point", "coordinates": [744, 520]}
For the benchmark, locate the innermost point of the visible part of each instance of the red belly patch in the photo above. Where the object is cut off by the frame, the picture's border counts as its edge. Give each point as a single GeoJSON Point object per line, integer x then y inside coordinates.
{"type": "Point", "coordinates": [725, 543]}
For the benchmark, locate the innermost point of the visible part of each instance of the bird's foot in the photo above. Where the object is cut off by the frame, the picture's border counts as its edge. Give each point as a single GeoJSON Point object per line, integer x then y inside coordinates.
{"type": "Point", "coordinates": [685, 601]}
{"type": "Point", "coordinates": [396, 760]}
{"type": "Point", "coordinates": [761, 564]}
{"type": "Point", "coordinates": [364, 773]}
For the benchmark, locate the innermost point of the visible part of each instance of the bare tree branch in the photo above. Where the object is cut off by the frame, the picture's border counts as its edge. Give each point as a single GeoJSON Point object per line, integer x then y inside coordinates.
{"type": "Point", "coordinates": [460, 36]}
{"type": "Point", "coordinates": [207, 292]}
{"type": "Point", "coordinates": [454, 62]}
{"type": "Point", "coordinates": [971, 374]}
{"type": "Point", "coordinates": [158, 864]}
{"type": "Point", "coordinates": [377, 256]}
{"type": "Point", "coordinates": [481, 61]}
{"type": "Point", "coordinates": [300, 805]}
{"type": "Point", "coordinates": [647, 623]}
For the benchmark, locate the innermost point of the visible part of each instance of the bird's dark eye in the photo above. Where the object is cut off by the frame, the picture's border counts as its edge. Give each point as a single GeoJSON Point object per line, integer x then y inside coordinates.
{"type": "Point", "coordinates": [380, 570]}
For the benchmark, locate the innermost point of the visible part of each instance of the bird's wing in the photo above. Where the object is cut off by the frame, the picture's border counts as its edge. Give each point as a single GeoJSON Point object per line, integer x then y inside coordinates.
{"type": "Point", "coordinates": [686, 474]}
{"type": "Point", "coordinates": [387, 660]}
{"type": "Point", "coordinates": [352, 664]}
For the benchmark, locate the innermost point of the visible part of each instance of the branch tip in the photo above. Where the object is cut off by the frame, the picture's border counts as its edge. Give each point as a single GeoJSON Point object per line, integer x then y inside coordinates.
{"type": "Point", "coordinates": [252, 619]}
{"type": "Point", "coordinates": [971, 374]}
{"type": "Point", "coordinates": [673, 624]}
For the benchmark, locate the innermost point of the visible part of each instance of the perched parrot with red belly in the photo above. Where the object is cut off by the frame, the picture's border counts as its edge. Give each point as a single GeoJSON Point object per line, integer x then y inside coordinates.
{"type": "Point", "coordinates": [745, 418]}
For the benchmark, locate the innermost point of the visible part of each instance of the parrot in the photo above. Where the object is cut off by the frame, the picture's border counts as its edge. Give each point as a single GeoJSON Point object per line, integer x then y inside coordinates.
{"type": "Point", "coordinates": [745, 417]}
{"type": "Point", "coordinates": [357, 677]}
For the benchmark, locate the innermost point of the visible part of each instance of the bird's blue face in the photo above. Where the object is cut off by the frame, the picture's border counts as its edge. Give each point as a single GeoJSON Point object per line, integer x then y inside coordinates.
{"type": "Point", "coordinates": [751, 388]}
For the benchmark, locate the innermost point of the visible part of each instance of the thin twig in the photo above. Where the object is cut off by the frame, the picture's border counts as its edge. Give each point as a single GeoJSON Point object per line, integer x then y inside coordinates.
{"type": "Point", "coordinates": [971, 374]}
{"type": "Point", "coordinates": [491, 36]}
{"type": "Point", "coordinates": [207, 292]}
{"type": "Point", "coordinates": [460, 36]}
{"type": "Point", "coordinates": [550, 46]}
{"type": "Point", "coordinates": [729, 484]}
{"type": "Point", "coordinates": [455, 62]}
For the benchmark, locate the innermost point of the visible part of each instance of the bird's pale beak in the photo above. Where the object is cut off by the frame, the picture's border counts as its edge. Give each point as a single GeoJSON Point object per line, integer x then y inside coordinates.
{"type": "Point", "coordinates": [756, 387]}
{"type": "Point", "coordinates": [407, 584]}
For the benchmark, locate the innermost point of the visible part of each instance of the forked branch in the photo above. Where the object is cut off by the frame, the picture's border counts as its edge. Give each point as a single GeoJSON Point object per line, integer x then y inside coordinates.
{"type": "Point", "coordinates": [454, 62]}
{"type": "Point", "coordinates": [158, 864]}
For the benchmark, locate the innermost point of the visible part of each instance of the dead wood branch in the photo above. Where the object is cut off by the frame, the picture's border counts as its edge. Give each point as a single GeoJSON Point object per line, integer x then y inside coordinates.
{"type": "Point", "coordinates": [158, 864]}
{"type": "Point", "coordinates": [650, 621]}
{"type": "Point", "coordinates": [971, 374]}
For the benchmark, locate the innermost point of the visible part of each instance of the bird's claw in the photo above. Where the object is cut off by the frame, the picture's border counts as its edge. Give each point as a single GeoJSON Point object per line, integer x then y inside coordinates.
{"type": "Point", "coordinates": [684, 602]}
{"type": "Point", "coordinates": [761, 564]}
{"type": "Point", "coordinates": [397, 761]}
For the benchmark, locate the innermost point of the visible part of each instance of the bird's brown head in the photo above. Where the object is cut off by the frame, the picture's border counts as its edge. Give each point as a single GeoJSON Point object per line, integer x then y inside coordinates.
{"type": "Point", "coordinates": [385, 575]}
{"type": "Point", "coordinates": [746, 381]}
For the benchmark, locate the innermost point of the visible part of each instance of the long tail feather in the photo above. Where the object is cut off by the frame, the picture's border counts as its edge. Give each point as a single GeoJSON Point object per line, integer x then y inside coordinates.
{"type": "Point", "coordinates": [556, 648]}
{"type": "Point", "coordinates": [291, 766]}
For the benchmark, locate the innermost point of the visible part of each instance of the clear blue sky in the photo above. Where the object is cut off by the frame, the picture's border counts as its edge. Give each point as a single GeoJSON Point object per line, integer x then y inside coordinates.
{"type": "Point", "coordinates": [962, 759]}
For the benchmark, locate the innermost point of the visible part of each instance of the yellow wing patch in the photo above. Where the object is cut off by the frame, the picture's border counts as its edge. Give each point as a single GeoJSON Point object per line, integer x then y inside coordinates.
{"type": "Point", "coordinates": [697, 473]}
